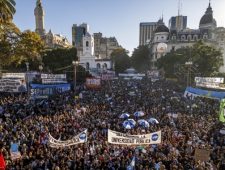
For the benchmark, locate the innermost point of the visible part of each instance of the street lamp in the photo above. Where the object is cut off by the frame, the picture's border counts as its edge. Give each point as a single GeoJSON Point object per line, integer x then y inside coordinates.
{"type": "Point", "coordinates": [189, 65]}
{"type": "Point", "coordinates": [28, 88]}
{"type": "Point", "coordinates": [75, 64]}
{"type": "Point", "coordinates": [40, 68]}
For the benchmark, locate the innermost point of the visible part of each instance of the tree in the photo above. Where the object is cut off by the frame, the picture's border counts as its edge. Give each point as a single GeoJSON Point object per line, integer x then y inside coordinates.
{"type": "Point", "coordinates": [141, 59]}
{"type": "Point", "coordinates": [7, 10]}
{"type": "Point", "coordinates": [120, 60]}
{"type": "Point", "coordinates": [9, 36]}
{"type": "Point", "coordinates": [28, 49]}
{"type": "Point", "coordinates": [58, 59]}
{"type": "Point", "coordinates": [205, 58]}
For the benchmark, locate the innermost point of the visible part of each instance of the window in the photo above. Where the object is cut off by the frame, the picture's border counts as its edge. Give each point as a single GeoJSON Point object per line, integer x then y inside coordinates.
{"type": "Point", "coordinates": [98, 66]}
{"type": "Point", "coordinates": [105, 66]}
{"type": "Point", "coordinates": [87, 43]}
{"type": "Point", "coordinates": [87, 66]}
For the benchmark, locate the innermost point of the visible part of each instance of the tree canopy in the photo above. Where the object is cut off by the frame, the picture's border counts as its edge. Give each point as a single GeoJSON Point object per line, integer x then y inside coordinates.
{"type": "Point", "coordinates": [205, 58]}
{"type": "Point", "coordinates": [141, 59]}
{"type": "Point", "coordinates": [55, 59]}
{"type": "Point", "coordinates": [121, 60]}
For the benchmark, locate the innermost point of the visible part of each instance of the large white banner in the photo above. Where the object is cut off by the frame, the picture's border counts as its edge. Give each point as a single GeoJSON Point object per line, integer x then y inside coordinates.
{"type": "Point", "coordinates": [125, 139]}
{"type": "Point", "coordinates": [53, 76]}
{"type": "Point", "coordinates": [12, 85]}
{"type": "Point", "coordinates": [81, 138]}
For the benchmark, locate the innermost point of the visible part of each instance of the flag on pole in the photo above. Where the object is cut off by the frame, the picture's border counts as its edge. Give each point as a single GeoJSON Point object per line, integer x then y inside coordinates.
{"type": "Point", "coordinates": [132, 164]}
{"type": "Point", "coordinates": [222, 111]}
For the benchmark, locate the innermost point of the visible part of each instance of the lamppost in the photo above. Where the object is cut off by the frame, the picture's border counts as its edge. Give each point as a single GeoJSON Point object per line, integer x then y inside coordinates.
{"type": "Point", "coordinates": [40, 67]}
{"type": "Point", "coordinates": [28, 88]}
{"type": "Point", "coordinates": [75, 64]}
{"type": "Point", "coordinates": [189, 65]}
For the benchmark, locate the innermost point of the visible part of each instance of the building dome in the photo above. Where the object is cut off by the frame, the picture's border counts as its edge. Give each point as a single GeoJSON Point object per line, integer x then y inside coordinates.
{"type": "Point", "coordinates": [207, 18]}
{"type": "Point", "coordinates": [161, 27]}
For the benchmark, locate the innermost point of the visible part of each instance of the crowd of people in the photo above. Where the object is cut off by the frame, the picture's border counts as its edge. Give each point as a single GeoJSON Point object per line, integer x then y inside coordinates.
{"type": "Point", "coordinates": [195, 126]}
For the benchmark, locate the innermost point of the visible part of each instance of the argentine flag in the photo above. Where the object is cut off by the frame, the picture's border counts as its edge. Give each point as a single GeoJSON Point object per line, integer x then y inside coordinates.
{"type": "Point", "coordinates": [132, 164]}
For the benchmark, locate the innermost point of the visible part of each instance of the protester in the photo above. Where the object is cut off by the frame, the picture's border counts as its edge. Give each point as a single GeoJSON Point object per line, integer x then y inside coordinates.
{"type": "Point", "coordinates": [186, 125]}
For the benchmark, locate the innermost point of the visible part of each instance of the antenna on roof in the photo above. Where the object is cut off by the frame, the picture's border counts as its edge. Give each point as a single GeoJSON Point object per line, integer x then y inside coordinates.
{"type": "Point", "coordinates": [179, 7]}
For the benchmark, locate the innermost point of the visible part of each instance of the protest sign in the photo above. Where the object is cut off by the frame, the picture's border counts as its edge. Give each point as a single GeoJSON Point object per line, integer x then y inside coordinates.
{"type": "Point", "coordinates": [202, 154]}
{"type": "Point", "coordinates": [80, 138]}
{"type": "Point", "coordinates": [125, 139]}
{"type": "Point", "coordinates": [14, 151]}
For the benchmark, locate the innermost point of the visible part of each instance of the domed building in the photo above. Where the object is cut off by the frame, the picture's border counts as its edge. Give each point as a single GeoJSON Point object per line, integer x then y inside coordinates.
{"type": "Point", "coordinates": [175, 39]}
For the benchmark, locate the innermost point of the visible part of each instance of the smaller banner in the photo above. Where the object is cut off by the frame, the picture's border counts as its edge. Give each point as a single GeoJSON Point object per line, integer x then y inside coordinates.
{"type": "Point", "coordinates": [125, 139]}
{"type": "Point", "coordinates": [53, 76]}
{"type": "Point", "coordinates": [93, 83]}
{"type": "Point", "coordinates": [14, 75]}
{"type": "Point", "coordinates": [53, 81]}
{"type": "Point", "coordinates": [13, 85]}
{"type": "Point", "coordinates": [222, 111]}
{"type": "Point", "coordinates": [81, 138]}
{"type": "Point", "coordinates": [209, 82]}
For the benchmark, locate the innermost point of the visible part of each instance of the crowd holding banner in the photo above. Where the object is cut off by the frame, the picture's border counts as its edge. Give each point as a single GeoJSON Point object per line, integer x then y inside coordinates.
{"type": "Point", "coordinates": [81, 138]}
{"type": "Point", "coordinates": [125, 139]}
{"type": "Point", "coordinates": [50, 133]}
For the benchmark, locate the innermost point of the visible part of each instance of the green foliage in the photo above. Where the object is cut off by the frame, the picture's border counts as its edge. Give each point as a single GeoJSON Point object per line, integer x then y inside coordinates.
{"type": "Point", "coordinates": [28, 49]}
{"type": "Point", "coordinates": [206, 59]}
{"type": "Point", "coordinates": [9, 36]}
{"type": "Point", "coordinates": [141, 59]}
{"type": "Point", "coordinates": [57, 59]}
{"type": "Point", "coordinates": [120, 60]}
{"type": "Point", "coordinates": [7, 10]}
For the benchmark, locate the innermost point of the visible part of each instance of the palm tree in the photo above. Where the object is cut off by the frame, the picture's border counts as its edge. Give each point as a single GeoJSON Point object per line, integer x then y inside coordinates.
{"type": "Point", "coordinates": [7, 10]}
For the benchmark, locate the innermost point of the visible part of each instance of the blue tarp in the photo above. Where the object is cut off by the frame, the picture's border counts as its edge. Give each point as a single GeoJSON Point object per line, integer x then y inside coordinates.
{"type": "Point", "coordinates": [206, 93]}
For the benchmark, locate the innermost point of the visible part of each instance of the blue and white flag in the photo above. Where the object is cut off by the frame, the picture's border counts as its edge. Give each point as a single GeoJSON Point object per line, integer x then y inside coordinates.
{"type": "Point", "coordinates": [132, 164]}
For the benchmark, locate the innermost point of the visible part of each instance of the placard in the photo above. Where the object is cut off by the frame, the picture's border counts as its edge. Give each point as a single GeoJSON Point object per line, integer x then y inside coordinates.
{"type": "Point", "coordinates": [125, 139]}
{"type": "Point", "coordinates": [202, 154]}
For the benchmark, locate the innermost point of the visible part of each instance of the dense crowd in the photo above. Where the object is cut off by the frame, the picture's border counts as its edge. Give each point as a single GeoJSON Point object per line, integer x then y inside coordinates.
{"type": "Point", "coordinates": [64, 116]}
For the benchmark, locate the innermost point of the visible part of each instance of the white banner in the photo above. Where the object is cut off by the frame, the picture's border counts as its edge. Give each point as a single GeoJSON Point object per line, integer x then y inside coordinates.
{"type": "Point", "coordinates": [53, 76]}
{"type": "Point", "coordinates": [81, 138]}
{"type": "Point", "coordinates": [204, 80]}
{"type": "Point", "coordinates": [12, 85]}
{"type": "Point", "coordinates": [125, 139]}
{"type": "Point", "coordinates": [53, 81]}
{"type": "Point", "coordinates": [14, 75]}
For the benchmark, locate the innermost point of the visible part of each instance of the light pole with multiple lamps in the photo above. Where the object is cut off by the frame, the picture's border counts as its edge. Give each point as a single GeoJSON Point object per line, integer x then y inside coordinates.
{"type": "Point", "coordinates": [40, 67]}
{"type": "Point", "coordinates": [27, 80]}
{"type": "Point", "coordinates": [75, 64]}
{"type": "Point", "coordinates": [189, 65]}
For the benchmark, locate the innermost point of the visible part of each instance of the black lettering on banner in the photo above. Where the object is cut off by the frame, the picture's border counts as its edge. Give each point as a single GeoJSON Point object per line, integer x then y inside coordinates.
{"type": "Point", "coordinates": [121, 140]}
